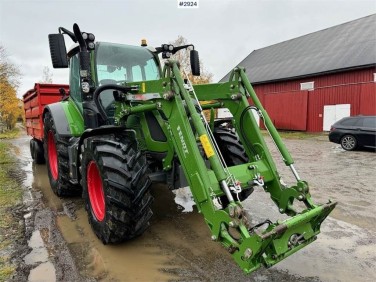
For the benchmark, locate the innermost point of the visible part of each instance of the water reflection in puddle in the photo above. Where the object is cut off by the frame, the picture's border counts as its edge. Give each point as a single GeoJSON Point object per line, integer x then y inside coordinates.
{"type": "Point", "coordinates": [45, 272]}
{"type": "Point", "coordinates": [39, 252]}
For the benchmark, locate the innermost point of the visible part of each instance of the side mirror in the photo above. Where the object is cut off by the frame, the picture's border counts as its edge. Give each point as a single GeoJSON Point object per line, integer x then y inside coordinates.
{"type": "Point", "coordinates": [195, 63]}
{"type": "Point", "coordinates": [58, 51]}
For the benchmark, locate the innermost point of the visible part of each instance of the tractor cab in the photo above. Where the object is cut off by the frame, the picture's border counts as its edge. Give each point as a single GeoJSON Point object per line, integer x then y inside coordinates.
{"type": "Point", "coordinates": [99, 68]}
{"type": "Point", "coordinates": [120, 64]}
{"type": "Point", "coordinates": [113, 64]}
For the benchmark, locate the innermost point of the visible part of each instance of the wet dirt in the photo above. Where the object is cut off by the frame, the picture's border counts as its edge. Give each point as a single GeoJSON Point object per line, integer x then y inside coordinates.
{"type": "Point", "coordinates": [47, 257]}
{"type": "Point", "coordinates": [177, 246]}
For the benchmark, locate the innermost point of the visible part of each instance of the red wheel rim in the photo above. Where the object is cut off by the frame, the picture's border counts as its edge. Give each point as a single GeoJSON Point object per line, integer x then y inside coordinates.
{"type": "Point", "coordinates": [95, 189]}
{"type": "Point", "coordinates": [52, 155]}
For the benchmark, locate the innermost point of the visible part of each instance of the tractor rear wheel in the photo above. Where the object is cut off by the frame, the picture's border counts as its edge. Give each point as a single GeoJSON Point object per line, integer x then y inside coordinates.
{"type": "Point", "coordinates": [233, 153]}
{"type": "Point", "coordinates": [115, 187]}
{"type": "Point", "coordinates": [57, 160]}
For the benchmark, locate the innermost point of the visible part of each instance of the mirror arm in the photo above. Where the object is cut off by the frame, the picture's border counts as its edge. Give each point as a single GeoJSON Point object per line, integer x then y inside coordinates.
{"type": "Point", "coordinates": [63, 30]}
{"type": "Point", "coordinates": [84, 56]}
{"type": "Point", "coordinates": [176, 49]}
{"type": "Point", "coordinates": [80, 39]}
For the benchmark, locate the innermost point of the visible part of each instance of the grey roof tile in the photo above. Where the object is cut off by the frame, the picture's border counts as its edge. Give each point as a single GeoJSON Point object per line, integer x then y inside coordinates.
{"type": "Point", "coordinates": [345, 46]}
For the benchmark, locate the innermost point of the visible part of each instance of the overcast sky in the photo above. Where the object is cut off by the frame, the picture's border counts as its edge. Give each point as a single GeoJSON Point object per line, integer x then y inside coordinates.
{"type": "Point", "coordinates": [223, 31]}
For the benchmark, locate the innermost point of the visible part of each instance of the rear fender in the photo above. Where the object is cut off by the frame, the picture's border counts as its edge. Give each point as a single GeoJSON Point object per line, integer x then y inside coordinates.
{"type": "Point", "coordinates": [67, 118]}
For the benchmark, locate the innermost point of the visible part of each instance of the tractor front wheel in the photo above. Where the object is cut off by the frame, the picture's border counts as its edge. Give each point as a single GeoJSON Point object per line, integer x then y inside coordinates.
{"type": "Point", "coordinates": [233, 154]}
{"type": "Point", "coordinates": [115, 188]}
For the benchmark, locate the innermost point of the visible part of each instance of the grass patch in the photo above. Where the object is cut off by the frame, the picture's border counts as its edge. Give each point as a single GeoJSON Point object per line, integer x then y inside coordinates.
{"type": "Point", "coordinates": [295, 134]}
{"type": "Point", "coordinates": [299, 135]}
{"type": "Point", "coordinates": [5, 271]}
{"type": "Point", "coordinates": [10, 134]}
{"type": "Point", "coordinates": [10, 195]}
{"type": "Point", "coordinates": [10, 190]}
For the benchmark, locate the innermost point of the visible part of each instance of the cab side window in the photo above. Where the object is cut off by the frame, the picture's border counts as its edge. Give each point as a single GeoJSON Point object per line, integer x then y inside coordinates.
{"type": "Point", "coordinates": [74, 79]}
{"type": "Point", "coordinates": [148, 71]}
{"type": "Point", "coordinates": [137, 73]}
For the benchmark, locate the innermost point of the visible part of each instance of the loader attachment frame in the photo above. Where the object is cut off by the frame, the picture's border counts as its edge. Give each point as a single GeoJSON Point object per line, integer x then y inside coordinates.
{"type": "Point", "coordinates": [180, 117]}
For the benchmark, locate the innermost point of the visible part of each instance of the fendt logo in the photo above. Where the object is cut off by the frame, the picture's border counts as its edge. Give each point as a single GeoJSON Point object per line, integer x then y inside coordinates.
{"type": "Point", "coordinates": [183, 145]}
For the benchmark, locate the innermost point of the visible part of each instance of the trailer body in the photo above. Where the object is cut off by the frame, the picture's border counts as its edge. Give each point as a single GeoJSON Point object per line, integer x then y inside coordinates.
{"type": "Point", "coordinates": [35, 100]}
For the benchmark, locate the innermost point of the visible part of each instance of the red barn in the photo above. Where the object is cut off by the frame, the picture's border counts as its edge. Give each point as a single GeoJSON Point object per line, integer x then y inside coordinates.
{"type": "Point", "coordinates": [308, 83]}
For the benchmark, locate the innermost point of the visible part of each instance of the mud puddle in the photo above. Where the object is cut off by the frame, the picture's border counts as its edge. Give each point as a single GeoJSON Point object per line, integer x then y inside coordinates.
{"type": "Point", "coordinates": [45, 270]}
{"type": "Point", "coordinates": [43, 240]}
{"type": "Point", "coordinates": [177, 246]}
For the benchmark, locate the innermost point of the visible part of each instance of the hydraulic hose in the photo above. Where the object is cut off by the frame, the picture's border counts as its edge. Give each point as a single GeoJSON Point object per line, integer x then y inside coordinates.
{"type": "Point", "coordinates": [102, 88]}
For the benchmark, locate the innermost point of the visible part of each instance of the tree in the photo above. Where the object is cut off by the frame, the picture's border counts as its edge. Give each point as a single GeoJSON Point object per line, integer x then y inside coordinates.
{"type": "Point", "coordinates": [9, 72]}
{"type": "Point", "coordinates": [183, 58]}
{"type": "Point", "coordinates": [47, 75]}
{"type": "Point", "coordinates": [10, 105]}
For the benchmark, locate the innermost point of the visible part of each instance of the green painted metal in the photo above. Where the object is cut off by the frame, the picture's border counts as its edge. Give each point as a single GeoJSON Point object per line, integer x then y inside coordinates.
{"type": "Point", "coordinates": [196, 120]}
{"type": "Point", "coordinates": [268, 123]}
{"type": "Point", "coordinates": [211, 106]}
{"type": "Point", "coordinates": [74, 117]}
{"type": "Point", "coordinates": [176, 112]}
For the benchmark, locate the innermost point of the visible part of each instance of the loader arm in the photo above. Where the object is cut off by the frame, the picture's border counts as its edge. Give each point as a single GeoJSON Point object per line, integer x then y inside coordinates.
{"type": "Point", "coordinates": [265, 243]}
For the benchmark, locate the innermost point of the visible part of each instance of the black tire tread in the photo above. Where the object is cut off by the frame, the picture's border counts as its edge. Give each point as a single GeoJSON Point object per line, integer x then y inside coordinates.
{"type": "Point", "coordinates": [233, 154]}
{"type": "Point", "coordinates": [62, 187]}
{"type": "Point", "coordinates": [39, 153]}
{"type": "Point", "coordinates": [230, 146]}
{"type": "Point", "coordinates": [126, 186]}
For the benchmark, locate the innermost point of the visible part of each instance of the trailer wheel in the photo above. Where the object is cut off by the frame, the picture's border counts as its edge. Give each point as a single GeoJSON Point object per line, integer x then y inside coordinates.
{"type": "Point", "coordinates": [115, 188]}
{"type": "Point", "coordinates": [32, 148]}
{"type": "Point", "coordinates": [36, 151]}
{"type": "Point", "coordinates": [233, 154]}
{"type": "Point", "coordinates": [57, 160]}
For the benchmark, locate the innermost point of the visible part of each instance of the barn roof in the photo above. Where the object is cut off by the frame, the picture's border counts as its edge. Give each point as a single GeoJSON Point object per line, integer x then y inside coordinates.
{"type": "Point", "coordinates": [345, 46]}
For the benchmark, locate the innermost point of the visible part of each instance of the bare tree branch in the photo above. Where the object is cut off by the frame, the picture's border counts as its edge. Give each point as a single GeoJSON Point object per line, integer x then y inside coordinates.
{"type": "Point", "coordinates": [9, 72]}
{"type": "Point", "coordinates": [47, 75]}
{"type": "Point", "coordinates": [183, 57]}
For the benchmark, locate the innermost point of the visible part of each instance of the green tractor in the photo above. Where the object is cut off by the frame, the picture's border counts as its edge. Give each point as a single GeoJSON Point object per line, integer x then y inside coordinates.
{"type": "Point", "coordinates": [127, 122]}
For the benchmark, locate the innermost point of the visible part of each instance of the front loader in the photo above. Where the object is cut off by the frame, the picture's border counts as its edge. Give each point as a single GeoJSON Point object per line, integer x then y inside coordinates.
{"type": "Point", "coordinates": [128, 123]}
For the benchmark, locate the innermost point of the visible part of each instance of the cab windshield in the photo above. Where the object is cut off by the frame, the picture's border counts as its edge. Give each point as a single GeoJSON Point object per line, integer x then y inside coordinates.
{"type": "Point", "coordinates": [117, 63]}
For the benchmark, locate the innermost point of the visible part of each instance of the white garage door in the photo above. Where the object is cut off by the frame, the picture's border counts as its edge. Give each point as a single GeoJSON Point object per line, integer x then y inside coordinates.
{"type": "Point", "coordinates": [333, 113]}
